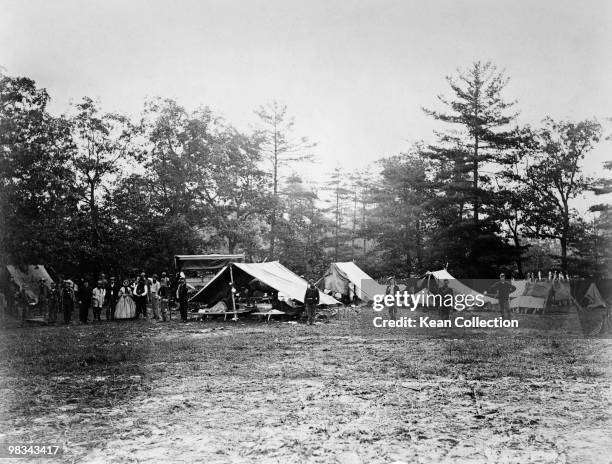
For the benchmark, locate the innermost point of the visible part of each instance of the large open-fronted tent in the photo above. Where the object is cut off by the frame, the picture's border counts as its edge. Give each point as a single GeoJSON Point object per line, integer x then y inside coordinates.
{"type": "Point", "coordinates": [272, 274]}
{"type": "Point", "coordinates": [339, 277]}
{"type": "Point", "coordinates": [28, 278]}
{"type": "Point", "coordinates": [459, 288]}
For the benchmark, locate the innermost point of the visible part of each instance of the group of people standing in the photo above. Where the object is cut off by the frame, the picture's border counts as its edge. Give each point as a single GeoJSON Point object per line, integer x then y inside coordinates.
{"type": "Point", "coordinates": [128, 299]}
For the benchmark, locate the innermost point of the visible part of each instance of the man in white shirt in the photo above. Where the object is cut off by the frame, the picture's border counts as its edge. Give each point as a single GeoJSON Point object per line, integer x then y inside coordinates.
{"type": "Point", "coordinates": [98, 296]}
{"type": "Point", "coordinates": [154, 289]}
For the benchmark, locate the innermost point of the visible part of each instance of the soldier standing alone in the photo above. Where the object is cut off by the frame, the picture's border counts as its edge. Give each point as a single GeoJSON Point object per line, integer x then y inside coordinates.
{"type": "Point", "coordinates": [503, 288]}
{"type": "Point", "coordinates": [311, 300]}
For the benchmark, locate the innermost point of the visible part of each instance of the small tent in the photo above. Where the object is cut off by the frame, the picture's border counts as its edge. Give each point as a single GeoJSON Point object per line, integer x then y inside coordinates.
{"type": "Point", "coordinates": [339, 276]}
{"type": "Point", "coordinates": [28, 278]}
{"type": "Point", "coordinates": [273, 274]}
{"type": "Point", "coordinates": [541, 295]}
{"type": "Point", "coordinates": [593, 310]}
{"type": "Point", "coordinates": [459, 287]}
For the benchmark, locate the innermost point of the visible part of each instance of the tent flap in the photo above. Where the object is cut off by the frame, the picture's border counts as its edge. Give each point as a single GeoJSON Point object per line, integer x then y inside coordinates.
{"type": "Point", "coordinates": [340, 275]}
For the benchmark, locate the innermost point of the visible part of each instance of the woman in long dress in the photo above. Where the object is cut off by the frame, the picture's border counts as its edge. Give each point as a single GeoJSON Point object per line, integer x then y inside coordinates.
{"type": "Point", "coordinates": [126, 308]}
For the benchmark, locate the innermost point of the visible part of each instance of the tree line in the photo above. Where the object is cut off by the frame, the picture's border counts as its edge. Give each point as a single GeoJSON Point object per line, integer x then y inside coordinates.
{"type": "Point", "coordinates": [90, 190]}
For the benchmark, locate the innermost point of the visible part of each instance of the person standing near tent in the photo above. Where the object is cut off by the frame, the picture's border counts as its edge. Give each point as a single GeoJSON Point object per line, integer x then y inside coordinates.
{"type": "Point", "coordinates": [54, 303]}
{"type": "Point", "coordinates": [311, 300]}
{"type": "Point", "coordinates": [181, 297]}
{"type": "Point", "coordinates": [85, 295]}
{"type": "Point", "coordinates": [43, 297]}
{"type": "Point", "coordinates": [352, 293]}
{"type": "Point", "coordinates": [503, 288]}
{"type": "Point", "coordinates": [443, 291]}
{"type": "Point", "coordinates": [392, 289]}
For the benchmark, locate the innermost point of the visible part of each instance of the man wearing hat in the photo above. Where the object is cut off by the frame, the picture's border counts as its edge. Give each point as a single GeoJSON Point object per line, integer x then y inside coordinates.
{"type": "Point", "coordinates": [164, 296]}
{"type": "Point", "coordinates": [67, 299]}
{"type": "Point", "coordinates": [112, 296]}
{"type": "Point", "coordinates": [311, 300]}
{"type": "Point", "coordinates": [85, 294]}
{"type": "Point", "coordinates": [98, 296]}
{"type": "Point", "coordinates": [140, 296]}
{"type": "Point", "coordinates": [181, 297]}
{"type": "Point", "coordinates": [503, 288]}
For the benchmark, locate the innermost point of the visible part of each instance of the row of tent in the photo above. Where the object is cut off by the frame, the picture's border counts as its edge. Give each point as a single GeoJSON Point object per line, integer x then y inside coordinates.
{"type": "Point", "coordinates": [342, 278]}
{"type": "Point", "coordinates": [347, 278]}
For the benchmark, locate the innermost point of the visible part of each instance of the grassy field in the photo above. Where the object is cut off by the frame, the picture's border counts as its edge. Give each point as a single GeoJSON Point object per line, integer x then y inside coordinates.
{"type": "Point", "coordinates": [341, 392]}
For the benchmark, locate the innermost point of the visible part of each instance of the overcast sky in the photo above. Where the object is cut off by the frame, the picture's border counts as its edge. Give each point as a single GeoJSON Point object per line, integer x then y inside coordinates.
{"type": "Point", "coordinates": [355, 74]}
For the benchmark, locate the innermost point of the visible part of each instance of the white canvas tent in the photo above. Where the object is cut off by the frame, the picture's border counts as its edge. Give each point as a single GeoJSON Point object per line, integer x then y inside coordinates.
{"type": "Point", "coordinates": [459, 287]}
{"type": "Point", "coordinates": [272, 274]}
{"type": "Point", "coordinates": [339, 275]}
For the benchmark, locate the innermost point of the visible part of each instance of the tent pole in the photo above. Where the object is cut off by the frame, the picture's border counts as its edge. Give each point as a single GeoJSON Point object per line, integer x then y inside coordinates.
{"type": "Point", "coordinates": [232, 291]}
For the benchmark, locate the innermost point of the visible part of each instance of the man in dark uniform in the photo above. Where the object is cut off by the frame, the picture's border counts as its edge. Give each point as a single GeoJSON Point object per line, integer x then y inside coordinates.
{"type": "Point", "coordinates": [392, 289]}
{"type": "Point", "coordinates": [112, 296]}
{"type": "Point", "coordinates": [181, 297]}
{"type": "Point", "coordinates": [43, 297]}
{"type": "Point", "coordinates": [443, 291]}
{"type": "Point", "coordinates": [311, 300]}
{"type": "Point", "coordinates": [503, 288]}
{"type": "Point", "coordinates": [67, 301]}
{"type": "Point", "coordinates": [85, 293]}
{"type": "Point", "coordinates": [55, 302]}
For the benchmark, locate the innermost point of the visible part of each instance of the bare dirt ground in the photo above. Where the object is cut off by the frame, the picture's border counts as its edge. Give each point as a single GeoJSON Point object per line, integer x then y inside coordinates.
{"type": "Point", "coordinates": [340, 392]}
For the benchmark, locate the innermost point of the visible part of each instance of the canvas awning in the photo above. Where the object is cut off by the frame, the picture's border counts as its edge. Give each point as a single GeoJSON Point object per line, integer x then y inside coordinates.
{"type": "Point", "coordinates": [273, 274]}
{"type": "Point", "coordinates": [205, 262]}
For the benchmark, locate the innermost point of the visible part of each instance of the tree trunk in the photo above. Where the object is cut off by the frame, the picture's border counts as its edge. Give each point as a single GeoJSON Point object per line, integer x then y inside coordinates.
{"type": "Point", "coordinates": [275, 194]}
{"type": "Point", "coordinates": [419, 246]}
{"type": "Point", "coordinates": [337, 245]}
{"type": "Point", "coordinates": [475, 180]}
{"type": "Point", "coordinates": [565, 236]}
{"type": "Point", "coordinates": [519, 260]}
{"type": "Point", "coordinates": [354, 227]}
{"type": "Point", "coordinates": [363, 224]}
